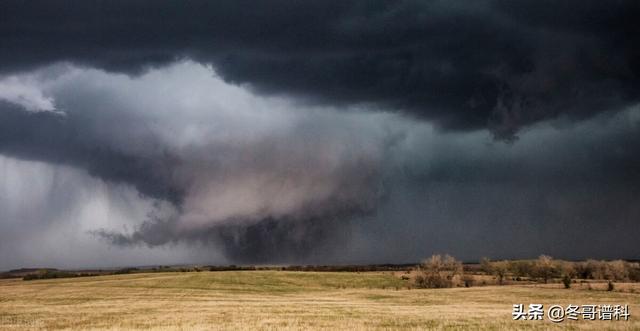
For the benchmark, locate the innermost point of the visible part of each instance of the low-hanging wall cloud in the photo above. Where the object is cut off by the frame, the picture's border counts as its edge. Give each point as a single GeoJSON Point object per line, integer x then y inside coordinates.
{"type": "Point", "coordinates": [220, 156]}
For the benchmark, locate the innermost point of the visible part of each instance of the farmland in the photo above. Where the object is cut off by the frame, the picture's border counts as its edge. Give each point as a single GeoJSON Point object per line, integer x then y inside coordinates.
{"type": "Point", "coordinates": [287, 300]}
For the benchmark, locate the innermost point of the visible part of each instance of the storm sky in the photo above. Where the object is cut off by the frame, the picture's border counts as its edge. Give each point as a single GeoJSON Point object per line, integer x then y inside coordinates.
{"type": "Point", "coordinates": [163, 132]}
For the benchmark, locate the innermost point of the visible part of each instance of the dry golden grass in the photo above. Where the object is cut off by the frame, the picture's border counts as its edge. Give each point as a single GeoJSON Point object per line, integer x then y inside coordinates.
{"type": "Point", "coordinates": [268, 300]}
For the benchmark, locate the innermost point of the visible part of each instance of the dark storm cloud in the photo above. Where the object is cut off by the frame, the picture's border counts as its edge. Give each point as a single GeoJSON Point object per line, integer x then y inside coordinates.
{"type": "Point", "coordinates": [61, 139]}
{"type": "Point", "coordinates": [265, 180]}
{"type": "Point", "coordinates": [569, 191]}
{"type": "Point", "coordinates": [483, 64]}
{"type": "Point", "coordinates": [572, 192]}
{"type": "Point", "coordinates": [254, 176]}
{"type": "Point", "coordinates": [322, 172]}
{"type": "Point", "coordinates": [270, 240]}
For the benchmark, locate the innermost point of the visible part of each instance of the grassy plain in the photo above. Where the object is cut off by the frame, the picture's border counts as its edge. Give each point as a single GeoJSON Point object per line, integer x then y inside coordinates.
{"type": "Point", "coordinates": [265, 300]}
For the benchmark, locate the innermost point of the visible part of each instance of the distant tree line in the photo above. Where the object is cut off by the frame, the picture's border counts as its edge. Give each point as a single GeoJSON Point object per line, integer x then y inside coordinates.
{"type": "Point", "coordinates": [53, 273]}
{"type": "Point", "coordinates": [349, 268]}
{"type": "Point", "coordinates": [317, 268]}
{"type": "Point", "coordinates": [545, 268]}
{"type": "Point", "coordinates": [440, 271]}
{"type": "Point", "coordinates": [34, 274]}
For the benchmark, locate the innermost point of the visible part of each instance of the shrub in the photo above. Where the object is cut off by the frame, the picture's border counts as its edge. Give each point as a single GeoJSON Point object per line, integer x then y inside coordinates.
{"type": "Point", "coordinates": [566, 281]}
{"type": "Point", "coordinates": [439, 272]}
{"type": "Point", "coordinates": [468, 280]}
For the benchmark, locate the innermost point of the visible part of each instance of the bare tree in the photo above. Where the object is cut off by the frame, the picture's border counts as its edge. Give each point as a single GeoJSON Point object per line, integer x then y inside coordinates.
{"type": "Point", "coordinates": [545, 267]}
{"type": "Point", "coordinates": [500, 270]}
{"type": "Point", "coordinates": [618, 270]}
{"type": "Point", "coordinates": [485, 265]}
{"type": "Point", "coordinates": [439, 272]}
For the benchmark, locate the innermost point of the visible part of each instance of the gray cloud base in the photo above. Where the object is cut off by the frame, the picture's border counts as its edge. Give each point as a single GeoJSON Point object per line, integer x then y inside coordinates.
{"type": "Point", "coordinates": [266, 189]}
{"type": "Point", "coordinates": [260, 179]}
{"type": "Point", "coordinates": [324, 132]}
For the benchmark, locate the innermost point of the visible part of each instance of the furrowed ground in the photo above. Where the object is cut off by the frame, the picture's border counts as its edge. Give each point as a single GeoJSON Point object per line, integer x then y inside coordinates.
{"type": "Point", "coordinates": [284, 300]}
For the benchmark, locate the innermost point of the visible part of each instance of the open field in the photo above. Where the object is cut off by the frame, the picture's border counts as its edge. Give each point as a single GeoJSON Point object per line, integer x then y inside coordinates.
{"type": "Point", "coordinates": [283, 300]}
